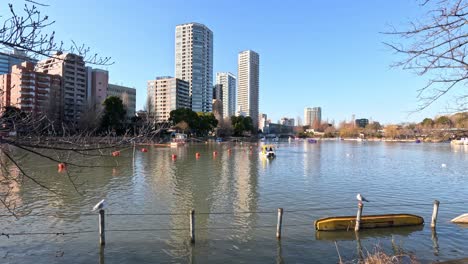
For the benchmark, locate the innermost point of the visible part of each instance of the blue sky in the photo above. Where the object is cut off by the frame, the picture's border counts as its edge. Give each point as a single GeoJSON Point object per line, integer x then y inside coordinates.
{"type": "Point", "coordinates": [312, 53]}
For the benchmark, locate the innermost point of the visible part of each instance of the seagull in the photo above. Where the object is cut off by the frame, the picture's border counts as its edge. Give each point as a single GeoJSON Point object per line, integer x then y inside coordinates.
{"type": "Point", "coordinates": [361, 198]}
{"type": "Point", "coordinates": [99, 205]}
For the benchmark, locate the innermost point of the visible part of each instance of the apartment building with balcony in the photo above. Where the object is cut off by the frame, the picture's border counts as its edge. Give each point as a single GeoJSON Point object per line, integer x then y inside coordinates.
{"type": "Point", "coordinates": [166, 94]}
{"type": "Point", "coordinates": [30, 91]}
{"type": "Point", "coordinates": [73, 92]}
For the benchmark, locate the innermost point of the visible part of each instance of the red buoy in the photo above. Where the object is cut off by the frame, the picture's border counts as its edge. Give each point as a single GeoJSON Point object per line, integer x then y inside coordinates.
{"type": "Point", "coordinates": [144, 150]}
{"type": "Point", "coordinates": [215, 153]}
{"type": "Point", "coordinates": [61, 167]}
{"type": "Point", "coordinates": [116, 153]}
{"type": "Point", "coordinates": [197, 155]}
{"type": "Point", "coordinates": [174, 156]}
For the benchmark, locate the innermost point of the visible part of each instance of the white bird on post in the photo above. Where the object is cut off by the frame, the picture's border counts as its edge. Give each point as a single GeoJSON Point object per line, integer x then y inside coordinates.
{"type": "Point", "coordinates": [361, 198]}
{"type": "Point", "coordinates": [99, 205]}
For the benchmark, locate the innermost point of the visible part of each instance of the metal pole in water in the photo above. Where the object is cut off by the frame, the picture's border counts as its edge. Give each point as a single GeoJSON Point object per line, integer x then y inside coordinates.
{"type": "Point", "coordinates": [192, 226]}
{"type": "Point", "coordinates": [358, 217]}
{"type": "Point", "coordinates": [435, 213]}
{"type": "Point", "coordinates": [102, 232]}
{"type": "Point", "coordinates": [280, 223]}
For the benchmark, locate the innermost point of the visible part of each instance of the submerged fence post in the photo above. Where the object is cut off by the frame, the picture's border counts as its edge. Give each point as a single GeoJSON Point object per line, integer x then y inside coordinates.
{"type": "Point", "coordinates": [358, 217]}
{"type": "Point", "coordinates": [280, 223]}
{"type": "Point", "coordinates": [434, 213]}
{"type": "Point", "coordinates": [102, 231]}
{"type": "Point", "coordinates": [192, 226]}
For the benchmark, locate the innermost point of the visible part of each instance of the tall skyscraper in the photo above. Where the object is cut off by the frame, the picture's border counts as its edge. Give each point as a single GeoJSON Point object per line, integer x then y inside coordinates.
{"type": "Point", "coordinates": [194, 63]}
{"type": "Point", "coordinates": [248, 84]}
{"type": "Point", "coordinates": [166, 94]}
{"type": "Point", "coordinates": [227, 81]}
{"type": "Point", "coordinates": [312, 116]}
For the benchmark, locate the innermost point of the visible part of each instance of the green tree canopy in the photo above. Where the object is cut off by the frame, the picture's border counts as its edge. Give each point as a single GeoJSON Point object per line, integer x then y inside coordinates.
{"type": "Point", "coordinates": [184, 115]}
{"type": "Point", "coordinates": [114, 114]}
{"type": "Point", "coordinates": [443, 120]}
{"type": "Point", "coordinates": [207, 122]}
{"type": "Point", "coordinates": [241, 124]}
{"type": "Point", "coordinates": [427, 122]}
{"type": "Point", "coordinates": [201, 123]}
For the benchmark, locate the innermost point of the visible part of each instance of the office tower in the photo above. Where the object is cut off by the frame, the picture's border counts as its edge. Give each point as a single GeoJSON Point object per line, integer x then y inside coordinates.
{"type": "Point", "coordinates": [71, 68]}
{"type": "Point", "coordinates": [248, 85]}
{"type": "Point", "coordinates": [227, 81]}
{"type": "Point", "coordinates": [166, 94]}
{"type": "Point", "coordinates": [16, 57]}
{"type": "Point", "coordinates": [312, 116]}
{"type": "Point", "coordinates": [30, 91]}
{"type": "Point", "coordinates": [194, 63]}
{"type": "Point", "coordinates": [128, 96]}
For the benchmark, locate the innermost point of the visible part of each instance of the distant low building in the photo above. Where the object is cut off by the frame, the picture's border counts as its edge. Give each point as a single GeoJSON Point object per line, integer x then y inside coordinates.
{"type": "Point", "coordinates": [262, 121]}
{"type": "Point", "coordinates": [272, 128]}
{"type": "Point", "coordinates": [363, 122]}
{"type": "Point", "coordinates": [286, 121]}
{"type": "Point", "coordinates": [128, 96]}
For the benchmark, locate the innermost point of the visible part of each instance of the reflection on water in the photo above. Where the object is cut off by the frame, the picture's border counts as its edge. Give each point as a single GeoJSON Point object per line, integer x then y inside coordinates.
{"type": "Point", "coordinates": [226, 190]}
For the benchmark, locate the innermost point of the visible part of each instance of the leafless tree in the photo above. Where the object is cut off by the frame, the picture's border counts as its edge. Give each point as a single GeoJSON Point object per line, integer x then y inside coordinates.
{"type": "Point", "coordinates": [26, 29]}
{"type": "Point", "coordinates": [436, 47]}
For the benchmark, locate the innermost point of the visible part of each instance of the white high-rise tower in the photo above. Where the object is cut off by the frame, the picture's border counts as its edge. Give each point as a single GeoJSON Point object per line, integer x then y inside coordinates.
{"type": "Point", "coordinates": [228, 85]}
{"type": "Point", "coordinates": [248, 84]}
{"type": "Point", "coordinates": [194, 63]}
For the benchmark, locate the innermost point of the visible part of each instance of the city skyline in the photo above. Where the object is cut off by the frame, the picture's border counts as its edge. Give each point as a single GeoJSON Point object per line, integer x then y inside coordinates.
{"type": "Point", "coordinates": [350, 70]}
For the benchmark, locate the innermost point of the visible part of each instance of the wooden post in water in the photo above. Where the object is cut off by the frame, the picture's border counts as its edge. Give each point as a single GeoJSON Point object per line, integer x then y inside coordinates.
{"type": "Point", "coordinates": [192, 226]}
{"type": "Point", "coordinates": [102, 232]}
{"type": "Point", "coordinates": [434, 213]}
{"type": "Point", "coordinates": [280, 223]}
{"type": "Point", "coordinates": [134, 143]}
{"type": "Point", "coordinates": [358, 217]}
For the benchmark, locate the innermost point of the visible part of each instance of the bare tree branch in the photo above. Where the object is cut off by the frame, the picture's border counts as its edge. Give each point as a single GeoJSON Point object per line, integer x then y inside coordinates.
{"type": "Point", "coordinates": [436, 48]}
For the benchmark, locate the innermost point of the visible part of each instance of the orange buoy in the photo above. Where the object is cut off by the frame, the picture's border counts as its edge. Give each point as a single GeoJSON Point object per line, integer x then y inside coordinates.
{"type": "Point", "coordinates": [174, 156]}
{"type": "Point", "coordinates": [144, 150]}
{"type": "Point", "coordinates": [197, 155]}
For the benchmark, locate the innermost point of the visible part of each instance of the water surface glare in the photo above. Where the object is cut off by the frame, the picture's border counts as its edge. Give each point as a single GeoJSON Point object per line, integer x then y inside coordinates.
{"type": "Point", "coordinates": [235, 195]}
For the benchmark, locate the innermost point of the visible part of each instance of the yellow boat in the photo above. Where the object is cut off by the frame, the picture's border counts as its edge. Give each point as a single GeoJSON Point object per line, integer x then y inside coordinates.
{"type": "Point", "coordinates": [367, 221]}
{"type": "Point", "coordinates": [343, 235]}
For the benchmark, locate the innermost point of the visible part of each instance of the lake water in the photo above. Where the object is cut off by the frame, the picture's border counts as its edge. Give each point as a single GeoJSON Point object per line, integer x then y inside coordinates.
{"type": "Point", "coordinates": [235, 196]}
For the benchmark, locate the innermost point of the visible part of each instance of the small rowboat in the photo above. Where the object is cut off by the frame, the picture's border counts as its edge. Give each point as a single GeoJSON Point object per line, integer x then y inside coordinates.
{"type": "Point", "coordinates": [367, 221]}
{"type": "Point", "coordinates": [462, 219]}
